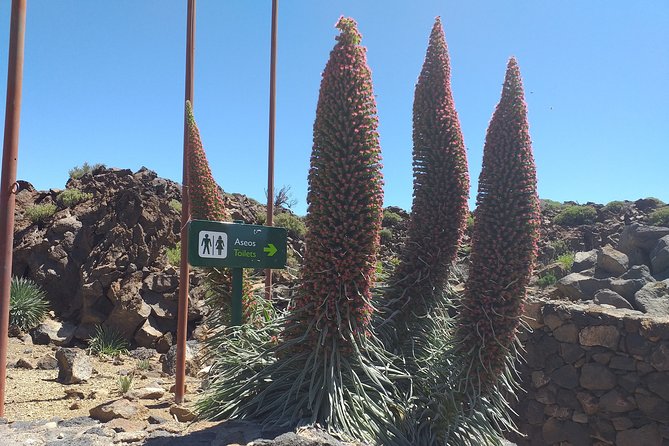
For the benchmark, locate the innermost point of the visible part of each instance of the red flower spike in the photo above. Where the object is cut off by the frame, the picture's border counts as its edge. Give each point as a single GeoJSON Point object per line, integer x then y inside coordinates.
{"type": "Point", "coordinates": [441, 190]}
{"type": "Point", "coordinates": [345, 193]}
{"type": "Point", "coordinates": [506, 230]}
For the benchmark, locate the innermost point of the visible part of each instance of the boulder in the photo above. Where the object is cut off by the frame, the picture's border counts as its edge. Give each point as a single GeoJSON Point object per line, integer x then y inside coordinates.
{"type": "Point", "coordinates": [626, 288]}
{"type": "Point", "coordinates": [577, 286]}
{"type": "Point", "coordinates": [148, 334]}
{"type": "Point", "coordinates": [638, 240]}
{"type": "Point", "coordinates": [659, 256]}
{"type": "Point", "coordinates": [66, 224]}
{"type": "Point", "coordinates": [182, 414]}
{"type": "Point", "coordinates": [47, 362]}
{"type": "Point", "coordinates": [192, 359]}
{"type": "Point", "coordinates": [584, 260]}
{"type": "Point", "coordinates": [54, 332]}
{"type": "Point", "coordinates": [653, 299]}
{"type": "Point", "coordinates": [609, 297]}
{"type": "Point", "coordinates": [74, 366]}
{"type": "Point", "coordinates": [638, 272]}
{"type": "Point", "coordinates": [147, 393]}
{"type": "Point", "coordinates": [612, 261]}
{"type": "Point", "coordinates": [121, 408]}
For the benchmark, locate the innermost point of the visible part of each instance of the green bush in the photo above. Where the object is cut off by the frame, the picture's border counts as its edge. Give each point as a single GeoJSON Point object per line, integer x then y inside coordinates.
{"type": "Point", "coordinates": [108, 342]}
{"type": "Point", "coordinates": [546, 280]}
{"type": "Point", "coordinates": [39, 213]}
{"type": "Point", "coordinates": [615, 207]}
{"type": "Point", "coordinates": [293, 224]}
{"type": "Point", "coordinates": [386, 235]}
{"type": "Point", "coordinates": [575, 215]}
{"type": "Point", "coordinates": [176, 205]}
{"type": "Point", "coordinates": [72, 197]}
{"type": "Point", "coordinates": [560, 247]}
{"type": "Point", "coordinates": [550, 205]}
{"type": "Point", "coordinates": [174, 255]}
{"type": "Point", "coordinates": [391, 218]}
{"type": "Point", "coordinates": [27, 303]}
{"type": "Point", "coordinates": [659, 217]}
{"type": "Point", "coordinates": [567, 260]}
{"type": "Point", "coordinates": [79, 171]}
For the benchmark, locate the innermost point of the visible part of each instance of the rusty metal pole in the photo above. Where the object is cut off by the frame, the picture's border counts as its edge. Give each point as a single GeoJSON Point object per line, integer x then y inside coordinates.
{"type": "Point", "coordinates": [270, 156]}
{"type": "Point", "coordinates": [10, 151]}
{"type": "Point", "coordinates": [182, 317]}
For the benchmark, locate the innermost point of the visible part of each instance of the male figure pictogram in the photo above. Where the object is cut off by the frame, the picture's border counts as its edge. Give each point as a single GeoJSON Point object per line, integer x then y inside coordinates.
{"type": "Point", "coordinates": [206, 244]}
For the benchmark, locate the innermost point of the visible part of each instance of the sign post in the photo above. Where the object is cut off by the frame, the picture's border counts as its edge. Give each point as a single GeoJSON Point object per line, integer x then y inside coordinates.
{"type": "Point", "coordinates": [10, 151]}
{"type": "Point", "coordinates": [236, 246]}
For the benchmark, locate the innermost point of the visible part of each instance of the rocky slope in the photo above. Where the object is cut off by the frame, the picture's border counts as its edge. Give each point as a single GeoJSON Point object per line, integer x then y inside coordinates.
{"type": "Point", "coordinates": [103, 260]}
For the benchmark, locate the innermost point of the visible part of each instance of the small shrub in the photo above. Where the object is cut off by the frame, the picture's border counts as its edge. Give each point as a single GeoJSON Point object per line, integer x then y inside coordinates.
{"type": "Point", "coordinates": [108, 342]}
{"type": "Point", "coordinates": [391, 218]}
{"type": "Point", "coordinates": [79, 171]}
{"type": "Point", "coordinates": [143, 365]}
{"type": "Point", "coordinates": [547, 205]}
{"type": "Point", "coordinates": [72, 197]}
{"type": "Point", "coordinates": [575, 215]}
{"type": "Point", "coordinates": [560, 247]}
{"type": "Point", "coordinates": [566, 260]}
{"type": "Point", "coordinates": [283, 198]}
{"type": "Point", "coordinates": [125, 383]}
{"type": "Point", "coordinates": [174, 255]}
{"type": "Point", "coordinates": [659, 217]}
{"type": "Point", "coordinates": [546, 280]}
{"type": "Point", "coordinates": [386, 235]}
{"type": "Point", "coordinates": [39, 213]}
{"type": "Point", "coordinates": [27, 303]}
{"type": "Point", "coordinates": [615, 207]}
{"type": "Point", "coordinates": [293, 224]}
{"type": "Point", "coordinates": [176, 205]}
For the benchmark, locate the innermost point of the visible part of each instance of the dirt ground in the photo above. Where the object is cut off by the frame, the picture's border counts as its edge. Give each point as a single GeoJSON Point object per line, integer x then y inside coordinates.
{"type": "Point", "coordinates": [34, 394]}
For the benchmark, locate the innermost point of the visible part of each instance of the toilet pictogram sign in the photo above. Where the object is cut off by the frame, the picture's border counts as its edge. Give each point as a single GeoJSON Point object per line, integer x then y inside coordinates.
{"type": "Point", "coordinates": [235, 245]}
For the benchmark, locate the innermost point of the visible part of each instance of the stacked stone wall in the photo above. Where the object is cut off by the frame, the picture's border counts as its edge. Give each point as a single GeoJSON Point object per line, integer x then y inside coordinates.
{"type": "Point", "coordinates": [593, 376]}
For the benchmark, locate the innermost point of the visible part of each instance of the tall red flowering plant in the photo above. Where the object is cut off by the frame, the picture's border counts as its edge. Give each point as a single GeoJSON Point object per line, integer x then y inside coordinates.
{"type": "Point", "coordinates": [440, 193]}
{"type": "Point", "coordinates": [206, 202]}
{"type": "Point", "coordinates": [345, 201]}
{"type": "Point", "coordinates": [324, 365]}
{"type": "Point", "coordinates": [504, 241]}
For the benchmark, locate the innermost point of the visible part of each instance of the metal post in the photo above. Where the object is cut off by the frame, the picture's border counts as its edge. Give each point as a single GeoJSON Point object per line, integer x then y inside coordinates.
{"type": "Point", "coordinates": [270, 158]}
{"type": "Point", "coordinates": [10, 151]}
{"type": "Point", "coordinates": [237, 287]}
{"type": "Point", "coordinates": [182, 317]}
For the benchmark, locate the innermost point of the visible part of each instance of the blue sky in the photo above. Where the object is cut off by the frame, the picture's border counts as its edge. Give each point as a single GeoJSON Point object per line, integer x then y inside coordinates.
{"type": "Point", "coordinates": [104, 83]}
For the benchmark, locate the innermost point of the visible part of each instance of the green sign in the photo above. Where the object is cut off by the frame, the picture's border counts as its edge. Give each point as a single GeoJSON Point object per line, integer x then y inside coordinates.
{"type": "Point", "coordinates": [235, 245]}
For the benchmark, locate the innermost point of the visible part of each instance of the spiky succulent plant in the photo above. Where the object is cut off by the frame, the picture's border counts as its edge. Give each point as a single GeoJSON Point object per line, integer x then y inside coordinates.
{"type": "Point", "coordinates": [326, 366]}
{"type": "Point", "coordinates": [504, 241]}
{"type": "Point", "coordinates": [441, 189]}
